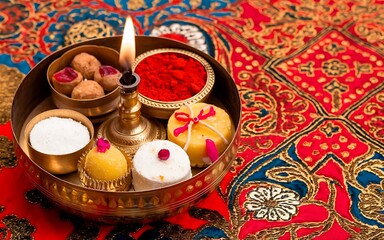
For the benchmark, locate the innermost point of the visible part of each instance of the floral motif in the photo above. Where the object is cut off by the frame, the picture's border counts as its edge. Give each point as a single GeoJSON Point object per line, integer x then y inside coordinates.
{"type": "Point", "coordinates": [88, 29]}
{"type": "Point", "coordinates": [11, 19]}
{"type": "Point", "coordinates": [334, 67]}
{"type": "Point", "coordinates": [69, 27]}
{"type": "Point", "coordinates": [263, 105]}
{"type": "Point", "coordinates": [272, 203]}
{"type": "Point", "coordinates": [334, 48]}
{"type": "Point", "coordinates": [187, 33]}
{"type": "Point", "coordinates": [263, 115]}
{"type": "Point", "coordinates": [372, 202]}
{"type": "Point", "coordinates": [376, 110]}
{"type": "Point", "coordinates": [142, 5]}
{"type": "Point", "coordinates": [370, 24]}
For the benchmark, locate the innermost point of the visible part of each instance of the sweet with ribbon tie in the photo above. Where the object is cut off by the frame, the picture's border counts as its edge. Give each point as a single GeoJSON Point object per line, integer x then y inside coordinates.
{"type": "Point", "coordinates": [184, 117]}
{"type": "Point", "coordinates": [189, 120]}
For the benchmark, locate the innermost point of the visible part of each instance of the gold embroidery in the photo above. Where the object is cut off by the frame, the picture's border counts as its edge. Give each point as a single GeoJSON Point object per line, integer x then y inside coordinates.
{"type": "Point", "coordinates": [19, 228]}
{"type": "Point", "coordinates": [136, 4]}
{"type": "Point", "coordinates": [345, 154]}
{"type": "Point", "coordinates": [330, 130]}
{"type": "Point", "coordinates": [371, 200]}
{"type": "Point", "coordinates": [307, 68]}
{"type": "Point", "coordinates": [373, 109]}
{"type": "Point", "coordinates": [352, 146]}
{"type": "Point", "coordinates": [336, 88]}
{"type": "Point", "coordinates": [334, 67]}
{"type": "Point", "coordinates": [335, 146]}
{"type": "Point", "coordinates": [10, 79]}
{"type": "Point", "coordinates": [362, 68]}
{"type": "Point", "coordinates": [7, 154]}
{"type": "Point", "coordinates": [88, 29]}
{"type": "Point", "coordinates": [334, 48]}
{"type": "Point", "coordinates": [343, 139]}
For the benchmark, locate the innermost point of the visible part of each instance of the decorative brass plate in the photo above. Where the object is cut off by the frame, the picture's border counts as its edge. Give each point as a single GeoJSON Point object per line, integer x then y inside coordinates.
{"type": "Point", "coordinates": [34, 96]}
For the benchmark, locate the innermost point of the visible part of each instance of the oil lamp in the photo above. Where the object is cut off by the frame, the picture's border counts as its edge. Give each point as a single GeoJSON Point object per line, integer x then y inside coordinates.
{"type": "Point", "coordinates": [129, 130]}
{"type": "Point", "coordinates": [127, 51]}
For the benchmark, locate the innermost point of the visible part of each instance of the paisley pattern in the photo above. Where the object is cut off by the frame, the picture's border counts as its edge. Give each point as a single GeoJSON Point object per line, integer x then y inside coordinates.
{"type": "Point", "coordinates": [310, 77]}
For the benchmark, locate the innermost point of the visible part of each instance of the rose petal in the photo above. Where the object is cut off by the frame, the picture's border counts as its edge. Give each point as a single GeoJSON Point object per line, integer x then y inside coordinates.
{"type": "Point", "coordinates": [211, 150]}
{"type": "Point", "coordinates": [102, 145]}
{"type": "Point", "coordinates": [105, 70]}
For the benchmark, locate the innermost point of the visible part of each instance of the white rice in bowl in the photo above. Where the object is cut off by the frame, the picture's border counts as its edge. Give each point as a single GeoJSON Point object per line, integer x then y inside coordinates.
{"type": "Point", "coordinates": [59, 136]}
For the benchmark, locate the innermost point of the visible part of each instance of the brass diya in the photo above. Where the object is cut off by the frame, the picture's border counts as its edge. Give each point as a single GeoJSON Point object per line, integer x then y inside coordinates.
{"type": "Point", "coordinates": [163, 110]}
{"type": "Point", "coordinates": [34, 96]}
{"type": "Point", "coordinates": [130, 130]}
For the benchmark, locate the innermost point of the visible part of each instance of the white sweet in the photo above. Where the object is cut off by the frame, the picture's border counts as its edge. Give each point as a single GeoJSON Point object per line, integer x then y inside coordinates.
{"type": "Point", "coordinates": [58, 136]}
{"type": "Point", "coordinates": [149, 172]}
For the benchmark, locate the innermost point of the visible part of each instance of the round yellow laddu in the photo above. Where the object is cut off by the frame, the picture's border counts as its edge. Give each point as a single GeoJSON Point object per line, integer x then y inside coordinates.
{"type": "Point", "coordinates": [106, 166]}
{"type": "Point", "coordinates": [196, 150]}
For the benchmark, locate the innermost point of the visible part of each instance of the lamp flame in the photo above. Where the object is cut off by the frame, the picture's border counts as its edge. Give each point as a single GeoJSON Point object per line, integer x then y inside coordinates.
{"type": "Point", "coordinates": [128, 48]}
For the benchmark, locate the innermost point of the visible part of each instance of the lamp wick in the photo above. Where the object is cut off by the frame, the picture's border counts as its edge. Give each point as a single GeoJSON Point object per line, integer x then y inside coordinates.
{"type": "Point", "coordinates": [127, 78]}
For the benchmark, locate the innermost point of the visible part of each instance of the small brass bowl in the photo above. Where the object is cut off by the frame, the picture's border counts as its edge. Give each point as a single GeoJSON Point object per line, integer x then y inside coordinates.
{"type": "Point", "coordinates": [162, 109]}
{"type": "Point", "coordinates": [88, 107]}
{"type": "Point", "coordinates": [64, 163]}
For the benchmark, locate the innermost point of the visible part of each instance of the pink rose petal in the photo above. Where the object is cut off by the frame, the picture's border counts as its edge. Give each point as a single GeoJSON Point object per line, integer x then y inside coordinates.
{"type": "Point", "coordinates": [102, 145]}
{"type": "Point", "coordinates": [211, 150]}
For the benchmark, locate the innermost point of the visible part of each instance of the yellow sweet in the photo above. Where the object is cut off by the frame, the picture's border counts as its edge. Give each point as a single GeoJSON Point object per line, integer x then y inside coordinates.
{"type": "Point", "coordinates": [106, 166]}
{"type": "Point", "coordinates": [222, 134]}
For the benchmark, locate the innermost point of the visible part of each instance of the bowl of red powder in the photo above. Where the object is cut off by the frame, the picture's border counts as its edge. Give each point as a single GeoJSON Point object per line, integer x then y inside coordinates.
{"type": "Point", "coordinates": [171, 78]}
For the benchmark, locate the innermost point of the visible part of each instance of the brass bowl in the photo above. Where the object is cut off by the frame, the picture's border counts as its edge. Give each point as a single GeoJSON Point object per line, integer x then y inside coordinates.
{"type": "Point", "coordinates": [63, 163]}
{"type": "Point", "coordinates": [88, 107]}
{"type": "Point", "coordinates": [162, 109]}
{"type": "Point", "coordinates": [66, 191]}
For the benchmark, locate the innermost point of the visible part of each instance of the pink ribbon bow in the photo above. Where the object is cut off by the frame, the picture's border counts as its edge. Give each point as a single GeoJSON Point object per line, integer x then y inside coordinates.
{"type": "Point", "coordinates": [184, 117]}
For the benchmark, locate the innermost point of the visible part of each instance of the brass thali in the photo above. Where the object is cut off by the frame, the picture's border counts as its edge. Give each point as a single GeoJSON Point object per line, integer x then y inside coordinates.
{"type": "Point", "coordinates": [34, 96]}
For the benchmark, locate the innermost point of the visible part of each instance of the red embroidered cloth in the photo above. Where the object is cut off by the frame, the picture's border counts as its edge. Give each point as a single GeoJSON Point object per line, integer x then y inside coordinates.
{"type": "Point", "coordinates": [310, 77]}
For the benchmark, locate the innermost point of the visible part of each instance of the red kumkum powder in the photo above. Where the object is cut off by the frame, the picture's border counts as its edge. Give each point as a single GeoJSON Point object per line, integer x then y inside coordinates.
{"type": "Point", "coordinates": [170, 76]}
